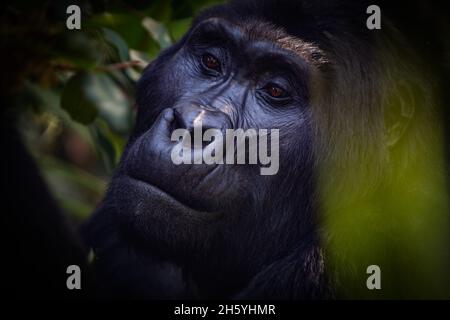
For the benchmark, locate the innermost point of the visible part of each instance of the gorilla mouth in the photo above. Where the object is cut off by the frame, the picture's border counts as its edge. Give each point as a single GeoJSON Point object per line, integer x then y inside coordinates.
{"type": "Point", "coordinates": [165, 199]}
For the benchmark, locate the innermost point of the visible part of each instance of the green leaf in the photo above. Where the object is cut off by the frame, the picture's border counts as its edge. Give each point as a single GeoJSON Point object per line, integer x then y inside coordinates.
{"type": "Point", "coordinates": [76, 100]}
{"type": "Point", "coordinates": [105, 144]}
{"type": "Point", "coordinates": [87, 95]}
{"type": "Point", "coordinates": [157, 31]}
{"type": "Point", "coordinates": [80, 48]}
{"type": "Point", "coordinates": [112, 104]}
{"type": "Point", "coordinates": [178, 28]}
{"type": "Point", "coordinates": [129, 27]}
{"type": "Point", "coordinates": [117, 41]}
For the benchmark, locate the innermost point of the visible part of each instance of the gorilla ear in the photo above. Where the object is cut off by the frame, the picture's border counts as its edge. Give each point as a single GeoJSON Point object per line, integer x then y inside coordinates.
{"type": "Point", "coordinates": [399, 110]}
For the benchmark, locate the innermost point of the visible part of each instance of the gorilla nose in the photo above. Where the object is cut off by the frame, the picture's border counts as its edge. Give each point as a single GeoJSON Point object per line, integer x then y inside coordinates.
{"type": "Point", "coordinates": [191, 116]}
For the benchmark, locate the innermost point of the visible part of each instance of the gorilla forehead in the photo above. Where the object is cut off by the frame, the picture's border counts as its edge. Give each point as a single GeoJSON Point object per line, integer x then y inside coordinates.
{"type": "Point", "coordinates": [261, 35]}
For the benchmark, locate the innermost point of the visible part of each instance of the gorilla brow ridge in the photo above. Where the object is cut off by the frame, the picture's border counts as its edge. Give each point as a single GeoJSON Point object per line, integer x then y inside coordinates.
{"type": "Point", "coordinates": [309, 51]}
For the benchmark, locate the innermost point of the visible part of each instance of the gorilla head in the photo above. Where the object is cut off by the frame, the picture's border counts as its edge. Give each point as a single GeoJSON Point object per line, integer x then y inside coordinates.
{"type": "Point", "coordinates": [311, 70]}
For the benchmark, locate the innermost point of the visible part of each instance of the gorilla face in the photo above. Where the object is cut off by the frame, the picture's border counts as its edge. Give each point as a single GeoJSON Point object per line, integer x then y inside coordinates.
{"type": "Point", "coordinates": [230, 77]}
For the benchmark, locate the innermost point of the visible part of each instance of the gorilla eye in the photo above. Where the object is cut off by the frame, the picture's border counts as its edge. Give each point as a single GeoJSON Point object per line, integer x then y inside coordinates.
{"type": "Point", "coordinates": [211, 62]}
{"type": "Point", "coordinates": [276, 91]}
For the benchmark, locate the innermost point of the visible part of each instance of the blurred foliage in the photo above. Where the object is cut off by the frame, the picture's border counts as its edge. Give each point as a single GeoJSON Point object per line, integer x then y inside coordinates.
{"type": "Point", "coordinates": [73, 90]}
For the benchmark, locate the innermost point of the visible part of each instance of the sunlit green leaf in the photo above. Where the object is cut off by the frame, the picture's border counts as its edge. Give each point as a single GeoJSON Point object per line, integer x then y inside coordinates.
{"type": "Point", "coordinates": [111, 102]}
{"type": "Point", "coordinates": [86, 95]}
{"type": "Point", "coordinates": [157, 31]}
{"type": "Point", "coordinates": [130, 28]}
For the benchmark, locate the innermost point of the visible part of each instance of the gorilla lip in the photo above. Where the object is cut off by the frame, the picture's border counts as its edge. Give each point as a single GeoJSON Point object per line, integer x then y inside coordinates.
{"type": "Point", "coordinates": [155, 193]}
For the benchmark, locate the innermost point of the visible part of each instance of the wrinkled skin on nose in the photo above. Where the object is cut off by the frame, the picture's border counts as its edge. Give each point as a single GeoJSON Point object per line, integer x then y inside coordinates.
{"type": "Point", "coordinates": [189, 116]}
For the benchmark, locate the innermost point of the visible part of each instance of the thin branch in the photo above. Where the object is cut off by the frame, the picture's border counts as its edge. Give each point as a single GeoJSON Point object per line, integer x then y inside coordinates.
{"type": "Point", "coordinates": [110, 67]}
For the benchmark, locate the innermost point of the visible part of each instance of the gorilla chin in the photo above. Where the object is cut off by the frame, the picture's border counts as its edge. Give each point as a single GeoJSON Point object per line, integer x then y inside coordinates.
{"type": "Point", "coordinates": [147, 205]}
{"type": "Point", "coordinates": [146, 196]}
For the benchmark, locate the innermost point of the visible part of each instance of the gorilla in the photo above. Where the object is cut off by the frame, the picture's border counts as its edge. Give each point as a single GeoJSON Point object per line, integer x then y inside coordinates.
{"type": "Point", "coordinates": [346, 111]}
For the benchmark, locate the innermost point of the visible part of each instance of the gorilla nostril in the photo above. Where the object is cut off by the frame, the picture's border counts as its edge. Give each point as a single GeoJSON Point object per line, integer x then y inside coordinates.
{"type": "Point", "coordinates": [189, 117]}
{"type": "Point", "coordinates": [193, 117]}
